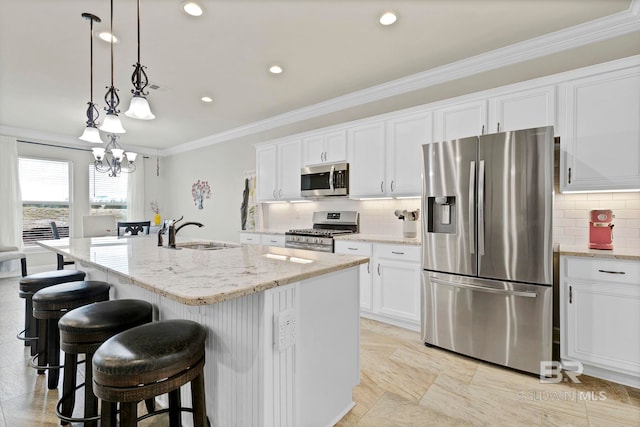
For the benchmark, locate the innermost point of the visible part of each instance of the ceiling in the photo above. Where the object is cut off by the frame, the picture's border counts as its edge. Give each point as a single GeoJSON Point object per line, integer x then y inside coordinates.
{"type": "Point", "coordinates": [328, 49]}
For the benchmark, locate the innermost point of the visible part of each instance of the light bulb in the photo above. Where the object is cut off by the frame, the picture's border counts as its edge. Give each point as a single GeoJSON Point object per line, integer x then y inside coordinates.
{"type": "Point", "coordinates": [118, 153]}
{"type": "Point", "coordinates": [112, 124]}
{"type": "Point", "coordinates": [131, 157]}
{"type": "Point", "coordinates": [91, 134]}
{"type": "Point", "coordinates": [98, 153]}
{"type": "Point", "coordinates": [139, 109]}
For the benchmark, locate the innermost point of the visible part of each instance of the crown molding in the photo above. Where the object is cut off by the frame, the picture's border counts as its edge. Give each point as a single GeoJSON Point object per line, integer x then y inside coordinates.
{"type": "Point", "coordinates": [63, 140]}
{"type": "Point", "coordinates": [601, 29]}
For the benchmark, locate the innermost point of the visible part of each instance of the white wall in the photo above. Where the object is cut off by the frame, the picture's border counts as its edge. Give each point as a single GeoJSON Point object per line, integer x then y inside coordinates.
{"type": "Point", "coordinates": [223, 166]}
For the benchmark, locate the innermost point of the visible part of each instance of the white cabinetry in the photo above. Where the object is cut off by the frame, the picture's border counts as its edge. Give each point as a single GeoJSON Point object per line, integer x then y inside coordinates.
{"type": "Point", "coordinates": [272, 240]}
{"type": "Point", "coordinates": [367, 160]}
{"type": "Point", "coordinates": [523, 110]}
{"type": "Point", "coordinates": [406, 134]}
{"type": "Point", "coordinates": [360, 249]}
{"type": "Point", "coordinates": [600, 314]}
{"type": "Point", "coordinates": [461, 120]}
{"type": "Point", "coordinates": [250, 238]}
{"type": "Point", "coordinates": [325, 147]}
{"type": "Point", "coordinates": [601, 147]}
{"type": "Point", "coordinates": [278, 171]}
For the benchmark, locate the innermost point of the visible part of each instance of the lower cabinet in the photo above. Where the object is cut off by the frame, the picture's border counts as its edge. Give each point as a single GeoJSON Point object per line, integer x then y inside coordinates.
{"type": "Point", "coordinates": [272, 240]}
{"type": "Point", "coordinates": [389, 283]}
{"type": "Point", "coordinates": [600, 314]}
{"type": "Point", "coordinates": [250, 238]}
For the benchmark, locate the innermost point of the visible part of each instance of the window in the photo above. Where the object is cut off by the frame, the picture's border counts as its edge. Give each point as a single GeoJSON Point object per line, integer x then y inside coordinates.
{"type": "Point", "coordinates": [108, 194]}
{"type": "Point", "coordinates": [45, 198]}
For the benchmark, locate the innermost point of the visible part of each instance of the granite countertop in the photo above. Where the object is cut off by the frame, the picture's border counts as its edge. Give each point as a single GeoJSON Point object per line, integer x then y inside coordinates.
{"type": "Point", "coordinates": [377, 238]}
{"type": "Point", "coordinates": [584, 251]}
{"type": "Point", "coordinates": [200, 277]}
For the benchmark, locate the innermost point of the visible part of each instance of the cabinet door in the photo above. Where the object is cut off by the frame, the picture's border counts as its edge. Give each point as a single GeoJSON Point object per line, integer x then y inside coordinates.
{"type": "Point", "coordinates": [601, 150]}
{"type": "Point", "coordinates": [250, 238]}
{"type": "Point", "coordinates": [313, 149]}
{"type": "Point", "coordinates": [398, 287]}
{"type": "Point", "coordinates": [462, 120]}
{"type": "Point", "coordinates": [601, 328]}
{"type": "Point", "coordinates": [266, 173]}
{"type": "Point", "coordinates": [523, 110]}
{"type": "Point", "coordinates": [367, 162]}
{"type": "Point", "coordinates": [405, 136]}
{"type": "Point", "coordinates": [361, 249]}
{"type": "Point", "coordinates": [289, 165]}
{"type": "Point", "coordinates": [335, 144]}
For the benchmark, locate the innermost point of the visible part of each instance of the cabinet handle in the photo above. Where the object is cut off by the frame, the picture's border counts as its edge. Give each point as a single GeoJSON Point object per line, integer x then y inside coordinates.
{"type": "Point", "coordinates": [382, 186]}
{"type": "Point", "coordinates": [353, 249]}
{"type": "Point", "coordinates": [482, 130]}
{"type": "Point", "coordinates": [274, 193]}
{"type": "Point", "coordinates": [368, 268]}
{"type": "Point", "coordinates": [378, 269]}
{"type": "Point", "coordinates": [280, 193]}
{"type": "Point", "coordinates": [612, 272]}
{"type": "Point", "coordinates": [498, 126]}
{"type": "Point", "coordinates": [570, 294]}
{"type": "Point", "coordinates": [392, 186]}
{"type": "Point", "coordinates": [397, 253]}
{"type": "Point", "coordinates": [569, 175]}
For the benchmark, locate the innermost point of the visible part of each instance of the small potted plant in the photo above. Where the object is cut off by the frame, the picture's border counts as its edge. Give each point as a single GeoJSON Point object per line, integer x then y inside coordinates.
{"type": "Point", "coordinates": [156, 212]}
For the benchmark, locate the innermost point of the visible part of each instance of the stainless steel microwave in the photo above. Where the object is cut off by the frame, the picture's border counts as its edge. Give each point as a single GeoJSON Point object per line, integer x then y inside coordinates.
{"type": "Point", "coordinates": [325, 180]}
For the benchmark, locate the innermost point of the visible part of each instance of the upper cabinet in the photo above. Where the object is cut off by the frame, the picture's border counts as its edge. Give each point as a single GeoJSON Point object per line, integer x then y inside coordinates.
{"type": "Point", "coordinates": [324, 147]}
{"type": "Point", "coordinates": [278, 171]}
{"type": "Point", "coordinates": [523, 110]}
{"type": "Point", "coordinates": [601, 147]}
{"type": "Point", "coordinates": [367, 160]}
{"type": "Point", "coordinates": [461, 120]}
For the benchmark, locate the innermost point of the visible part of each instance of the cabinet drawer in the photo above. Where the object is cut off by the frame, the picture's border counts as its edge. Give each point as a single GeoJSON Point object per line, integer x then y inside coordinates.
{"type": "Point", "coordinates": [602, 270]}
{"type": "Point", "coordinates": [398, 252]}
{"type": "Point", "coordinates": [272, 240]}
{"type": "Point", "coordinates": [353, 248]}
{"type": "Point", "coordinates": [250, 238]}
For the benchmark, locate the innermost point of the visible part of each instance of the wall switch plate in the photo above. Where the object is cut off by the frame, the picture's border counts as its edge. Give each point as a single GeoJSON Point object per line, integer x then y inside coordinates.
{"type": "Point", "coordinates": [284, 329]}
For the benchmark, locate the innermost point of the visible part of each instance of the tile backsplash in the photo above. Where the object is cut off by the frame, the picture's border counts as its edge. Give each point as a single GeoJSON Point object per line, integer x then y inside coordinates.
{"type": "Point", "coordinates": [570, 216]}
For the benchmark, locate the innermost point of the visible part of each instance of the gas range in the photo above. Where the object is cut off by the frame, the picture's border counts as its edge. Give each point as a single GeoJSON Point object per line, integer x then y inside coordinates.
{"type": "Point", "coordinates": [326, 225]}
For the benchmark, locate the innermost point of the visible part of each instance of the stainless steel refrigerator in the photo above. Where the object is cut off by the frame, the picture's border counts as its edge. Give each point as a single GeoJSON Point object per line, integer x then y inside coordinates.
{"type": "Point", "coordinates": [487, 247]}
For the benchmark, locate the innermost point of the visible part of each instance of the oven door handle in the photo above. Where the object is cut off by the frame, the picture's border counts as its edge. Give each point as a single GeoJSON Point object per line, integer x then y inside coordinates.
{"type": "Point", "coordinates": [333, 168]}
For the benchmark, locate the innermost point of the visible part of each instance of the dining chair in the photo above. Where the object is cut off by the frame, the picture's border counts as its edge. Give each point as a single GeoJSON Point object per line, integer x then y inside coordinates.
{"type": "Point", "coordinates": [56, 235]}
{"type": "Point", "coordinates": [98, 225]}
{"type": "Point", "coordinates": [132, 228]}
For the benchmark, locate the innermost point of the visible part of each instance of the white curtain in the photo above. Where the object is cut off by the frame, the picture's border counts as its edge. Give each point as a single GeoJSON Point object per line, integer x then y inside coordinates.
{"type": "Point", "coordinates": [10, 199]}
{"type": "Point", "coordinates": [135, 193]}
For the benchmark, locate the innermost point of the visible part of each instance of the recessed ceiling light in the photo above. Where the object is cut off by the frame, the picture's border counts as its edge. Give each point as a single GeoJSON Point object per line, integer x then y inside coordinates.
{"type": "Point", "coordinates": [108, 37]}
{"type": "Point", "coordinates": [206, 99]}
{"type": "Point", "coordinates": [388, 18]}
{"type": "Point", "coordinates": [192, 8]}
{"type": "Point", "coordinates": [275, 69]}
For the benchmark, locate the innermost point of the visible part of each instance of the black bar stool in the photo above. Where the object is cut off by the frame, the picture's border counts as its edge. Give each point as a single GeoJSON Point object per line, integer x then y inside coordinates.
{"type": "Point", "coordinates": [82, 330]}
{"type": "Point", "coordinates": [49, 305]}
{"type": "Point", "coordinates": [31, 284]}
{"type": "Point", "coordinates": [147, 361]}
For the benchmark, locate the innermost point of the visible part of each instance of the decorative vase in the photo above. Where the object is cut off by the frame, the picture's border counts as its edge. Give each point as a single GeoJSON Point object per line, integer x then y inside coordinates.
{"type": "Point", "coordinates": [409, 229]}
{"type": "Point", "coordinates": [199, 201]}
{"type": "Point", "coordinates": [157, 219]}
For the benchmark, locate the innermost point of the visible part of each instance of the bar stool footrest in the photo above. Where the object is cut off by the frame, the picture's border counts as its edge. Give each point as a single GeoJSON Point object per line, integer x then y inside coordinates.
{"type": "Point", "coordinates": [72, 419]}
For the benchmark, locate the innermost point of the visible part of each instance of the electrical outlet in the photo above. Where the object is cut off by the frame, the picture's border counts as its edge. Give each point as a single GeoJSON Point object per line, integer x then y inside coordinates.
{"type": "Point", "coordinates": [284, 329]}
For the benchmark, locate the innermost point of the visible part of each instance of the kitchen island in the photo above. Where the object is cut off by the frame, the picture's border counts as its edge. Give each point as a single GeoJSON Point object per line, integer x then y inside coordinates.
{"type": "Point", "coordinates": [283, 324]}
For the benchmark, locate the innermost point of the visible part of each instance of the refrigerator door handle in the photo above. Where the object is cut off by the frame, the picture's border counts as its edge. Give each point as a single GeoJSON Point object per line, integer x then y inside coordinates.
{"type": "Point", "coordinates": [484, 289]}
{"type": "Point", "coordinates": [472, 206]}
{"type": "Point", "coordinates": [481, 209]}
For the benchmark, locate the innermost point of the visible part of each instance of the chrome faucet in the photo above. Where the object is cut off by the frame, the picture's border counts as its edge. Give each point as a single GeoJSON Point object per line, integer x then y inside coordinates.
{"type": "Point", "coordinates": [173, 230]}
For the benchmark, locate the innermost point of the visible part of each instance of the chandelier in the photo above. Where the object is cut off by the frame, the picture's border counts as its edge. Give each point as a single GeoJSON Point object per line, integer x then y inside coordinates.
{"type": "Point", "coordinates": [111, 159]}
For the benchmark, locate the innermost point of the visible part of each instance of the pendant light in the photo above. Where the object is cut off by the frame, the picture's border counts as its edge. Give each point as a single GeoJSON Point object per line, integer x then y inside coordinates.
{"type": "Point", "coordinates": [91, 133]}
{"type": "Point", "coordinates": [139, 107]}
{"type": "Point", "coordinates": [112, 122]}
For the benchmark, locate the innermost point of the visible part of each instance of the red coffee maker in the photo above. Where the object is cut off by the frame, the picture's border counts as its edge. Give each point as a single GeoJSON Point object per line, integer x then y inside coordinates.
{"type": "Point", "coordinates": [601, 229]}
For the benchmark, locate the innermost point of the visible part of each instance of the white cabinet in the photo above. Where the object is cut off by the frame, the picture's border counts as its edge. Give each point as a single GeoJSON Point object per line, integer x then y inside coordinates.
{"type": "Point", "coordinates": [360, 249]}
{"type": "Point", "coordinates": [461, 120]}
{"type": "Point", "coordinates": [272, 240]}
{"type": "Point", "coordinates": [523, 110]}
{"type": "Point", "coordinates": [278, 171]}
{"type": "Point", "coordinates": [601, 147]}
{"type": "Point", "coordinates": [405, 136]}
{"type": "Point", "coordinates": [250, 238]}
{"type": "Point", "coordinates": [324, 147]}
{"type": "Point", "coordinates": [600, 312]}
{"type": "Point", "coordinates": [367, 160]}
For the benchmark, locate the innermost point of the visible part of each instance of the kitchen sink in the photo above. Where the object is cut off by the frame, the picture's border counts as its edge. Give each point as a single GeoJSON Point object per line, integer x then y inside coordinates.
{"type": "Point", "coordinates": [206, 246]}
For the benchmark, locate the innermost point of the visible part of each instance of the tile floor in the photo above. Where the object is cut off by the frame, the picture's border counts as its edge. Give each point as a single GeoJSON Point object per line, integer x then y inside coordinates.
{"type": "Point", "coordinates": [403, 384]}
